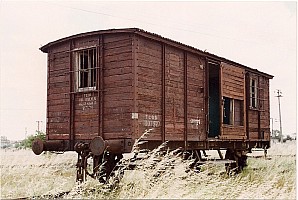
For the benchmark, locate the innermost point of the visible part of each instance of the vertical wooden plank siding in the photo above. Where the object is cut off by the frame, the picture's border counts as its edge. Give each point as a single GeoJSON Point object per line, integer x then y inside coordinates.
{"type": "Point", "coordinates": [85, 100]}
{"type": "Point", "coordinates": [185, 99]}
{"type": "Point", "coordinates": [163, 95]}
{"type": "Point", "coordinates": [101, 85]}
{"type": "Point", "coordinates": [48, 84]}
{"type": "Point", "coordinates": [247, 100]}
{"type": "Point", "coordinates": [258, 118]}
{"type": "Point", "coordinates": [244, 105]}
{"type": "Point", "coordinates": [264, 117]}
{"type": "Point", "coordinates": [195, 98]}
{"type": "Point", "coordinates": [233, 87]}
{"type": "Point", "coordinates": [206, 93]}
{"type": "Point", "coordinates": [150, 88]}
{"type": "Point", "coordinates": [72, 98]}
{"type": "Point", "coordinates": [118, 81]}
{"type": "Point", "coordinates": [98, 62]}
{"type": "Point", "coordinates": [134, 117]}
{"type": "Point", "coordinates": [259, 112]}
{"type": "Point", "coordinates": [146, 82]}
{"type": "Point", "coordinates": [221, 93]}
{"type": "Point", "coordinates": [175, 94]}
{"type": "Point", "coordinates": [58, 99]}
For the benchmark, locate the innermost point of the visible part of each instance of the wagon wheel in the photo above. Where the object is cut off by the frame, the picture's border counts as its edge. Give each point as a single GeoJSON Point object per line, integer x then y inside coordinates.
{"type": "Point", "coordinates": [241, 161]}
{"type": "Point", "coordinates": [107, 164]}
{"type": "Point", "coordinates": [230, 155]}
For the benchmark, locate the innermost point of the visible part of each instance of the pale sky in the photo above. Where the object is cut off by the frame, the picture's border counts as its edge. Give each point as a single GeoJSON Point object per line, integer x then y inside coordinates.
{"type": "Point", "coordinates": [260, 35]}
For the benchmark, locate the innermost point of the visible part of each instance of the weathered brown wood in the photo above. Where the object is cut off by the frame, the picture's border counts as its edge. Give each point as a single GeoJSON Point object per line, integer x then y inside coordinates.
{"type": "Point", "coordinates": [85, 42]}
{"type": "Point", "coordinates": [118, 71]}
{"type": "Point", "coordinates": [119, 57]}
{"type": "Point", "coordinates": [152, 63]}
{"type": "Point", "coordinates": [163, 92]}
{"type": "Point", "coordinates": [53, 136]}
{"type": "Point", "coordinates": [60, 48]}
{"type": "Point", "coordinates": [116, 84]}
{"type": "Point", "coordinates": [145, 82]}
{"type": "Point", "coordinates": [119, 64]}
{"type": "Point", "coordinates": [233, 137]}
{"type": "Point", "coordinates": [232, 81]}
{"type": "Point", "coordinates": [86, 136]}
{"type": "Point", "coordinates": [117, 44]}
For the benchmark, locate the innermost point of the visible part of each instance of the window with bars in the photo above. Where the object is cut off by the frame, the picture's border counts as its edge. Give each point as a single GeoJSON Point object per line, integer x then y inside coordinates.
{"type": "Point", "coordinates": [253, 93]}
{"type": "Point", "coordinates": [85, 65]}
{"type": "Point", "coordinates": [258, 88]}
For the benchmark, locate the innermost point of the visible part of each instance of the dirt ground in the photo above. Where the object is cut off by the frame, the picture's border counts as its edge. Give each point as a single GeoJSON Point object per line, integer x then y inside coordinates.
{"type": "Point", "coordinates": [24, 174]}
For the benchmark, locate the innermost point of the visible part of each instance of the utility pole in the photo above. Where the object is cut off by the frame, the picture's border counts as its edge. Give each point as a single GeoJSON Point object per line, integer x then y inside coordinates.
{"type": "Point", "coordinates": [38, 125]}
{"type": "Point", "coordinates": [272, 123]}
{"type": "Point", "coordinates": [272, 127]}
{"type": "Point", "coordinates": [280, 126]}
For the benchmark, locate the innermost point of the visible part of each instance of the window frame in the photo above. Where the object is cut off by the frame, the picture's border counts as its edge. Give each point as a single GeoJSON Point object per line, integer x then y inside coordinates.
{"type": "Point", "coordinates": [91, 69]}
{"type": "Point", "coordinates": [253, 93]}
{"type": "Point", "coordinates": [232, 111]}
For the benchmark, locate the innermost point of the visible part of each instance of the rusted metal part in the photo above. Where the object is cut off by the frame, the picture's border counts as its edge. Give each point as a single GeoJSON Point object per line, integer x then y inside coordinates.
{"type": "Point", "coordinates": [97, 146]}
{"type": "Point", "coordinates": [208, 145]}
{"type": "Point", "coordinates": [81, 146]}
{"type": "Point", "coordinates": [38, 146]}
{"type": "Point", "coordinates": [103, 162]}
{"type": "Point", "coordinates": [115, 146]}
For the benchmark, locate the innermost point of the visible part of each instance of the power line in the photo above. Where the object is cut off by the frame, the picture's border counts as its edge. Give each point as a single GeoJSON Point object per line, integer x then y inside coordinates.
{"type": "Point", "coordinates": [167, 26]}
{"type": "Point", "coordinates": [150, 23]}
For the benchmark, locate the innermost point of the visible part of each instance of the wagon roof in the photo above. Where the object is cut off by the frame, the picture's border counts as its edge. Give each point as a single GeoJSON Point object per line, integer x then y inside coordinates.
{"type": "Point", "coordinates": [153, 36]}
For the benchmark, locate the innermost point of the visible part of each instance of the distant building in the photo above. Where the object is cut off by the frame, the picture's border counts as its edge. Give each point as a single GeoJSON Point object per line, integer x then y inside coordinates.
{"type": "Point", "coordinates": [4, 142]}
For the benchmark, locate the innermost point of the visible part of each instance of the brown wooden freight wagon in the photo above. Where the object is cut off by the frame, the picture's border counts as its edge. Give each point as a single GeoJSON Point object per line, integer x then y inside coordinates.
{"type": "Point", "coordinates": [107, 87]}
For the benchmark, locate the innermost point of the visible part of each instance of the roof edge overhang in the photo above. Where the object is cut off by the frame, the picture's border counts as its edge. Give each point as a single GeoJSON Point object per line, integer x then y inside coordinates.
{"type": "Point", "coordinates": [46, 47]}
{"type": "Point", "coordinates": [157, 37]}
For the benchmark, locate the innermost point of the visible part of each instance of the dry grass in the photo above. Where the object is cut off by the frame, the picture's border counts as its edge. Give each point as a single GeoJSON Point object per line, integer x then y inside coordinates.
{"type": "Point", "coordinates": [157, 176]}
{"type": "Point", "coordinates": [23, 174]}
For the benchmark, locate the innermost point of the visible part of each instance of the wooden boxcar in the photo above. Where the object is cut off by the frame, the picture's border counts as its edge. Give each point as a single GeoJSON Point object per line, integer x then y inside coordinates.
{"type": "Point", "coordinates": [106, 88]}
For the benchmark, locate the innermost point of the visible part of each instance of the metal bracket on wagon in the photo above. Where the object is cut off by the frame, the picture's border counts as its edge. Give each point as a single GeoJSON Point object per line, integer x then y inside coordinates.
{"type": "Point", "coordinates": [103, 152]}
{"type": "Point", "coordinates": [98, 145]}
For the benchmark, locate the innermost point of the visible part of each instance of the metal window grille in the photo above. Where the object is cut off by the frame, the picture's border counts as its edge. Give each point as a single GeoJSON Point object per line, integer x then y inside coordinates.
{"type": "Point", "coordinates": [258, 97]}
{"type": "Point", "coordinates": [253, 93]}
{"type": "Point", "coordinates": [85, 62]}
